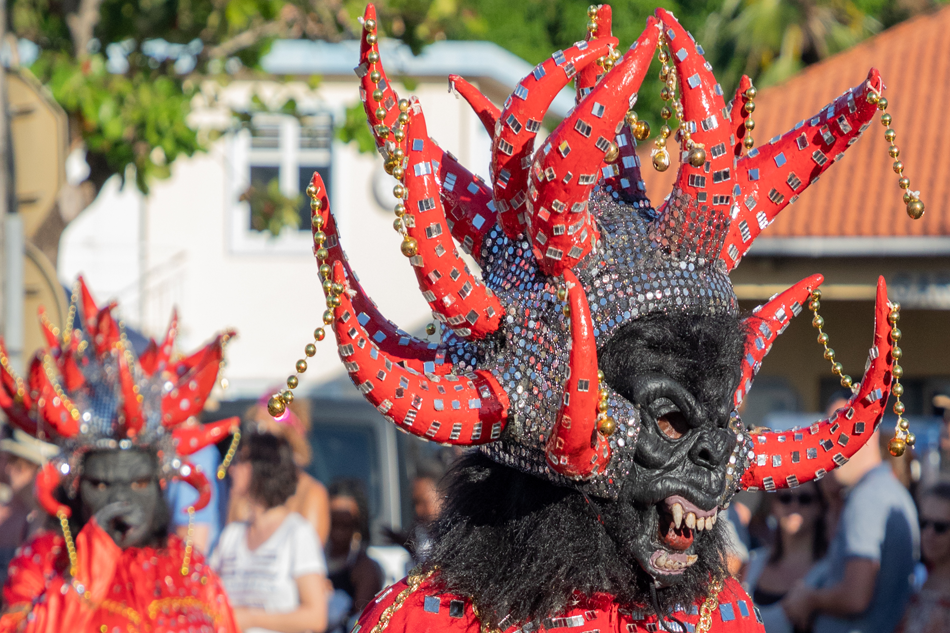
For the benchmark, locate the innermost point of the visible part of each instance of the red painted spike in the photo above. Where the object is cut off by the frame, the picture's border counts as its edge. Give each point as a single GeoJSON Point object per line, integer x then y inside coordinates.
{"type": "Point", "coordinates": [47, 481]}
{"type": "Point", "coordinates": [190, 474]}
{"type": "Point", "coordinates": [88, 307]}
{"type": "Point", "coordinates": [193, 387]}
{"type": "Point", "coordinates": [131, 404]}
{"type": "Point", "coordinates": [52, 340]}
{"type": "Point", "coordinates": [450, 409]}
{"type": "Point", "coordinates": [69, 369]}
{"type": "Point", "coordinates": [487, 111]}
{"type": "Point", "coordinates": [738, 115]}
{"type": "Point", "coordinates": [401, 347]}
{"type": "Point", "coordinates": [156, 356]}
{"type": "Point", "coordinates": [463, 301]}
{"type": "Point", "coordinates": [772, 176]}
{"type": "Point", "coordinates": [519, 122]}
{"type": "Point", "coordinates": [794, 457]}
{"type": "Point", "coordinates": [107, 334]}
{"type": "Point", "coordinates": [766, 323]}
{"type": "Point", "coordinates": [468, 200]}
{"type": "Point", "coordinates": [390, 99]}
{"type": "Point", "coordinates": [587, 77]}
{"type": "Point", "coordinates": [54, 409]}
{"type": "Point", "coordinates": [148, 360]}
{"type": "Point", "coordinates": [10, 402]}
{"type": "Point", "coordinates": [13, 384]}
{"type": "Point", "coordinates": [576, 449]}
{"type": "Point", "coordinates": [566, 169]}
{"type": "Point", "coordinates": [191, 439]}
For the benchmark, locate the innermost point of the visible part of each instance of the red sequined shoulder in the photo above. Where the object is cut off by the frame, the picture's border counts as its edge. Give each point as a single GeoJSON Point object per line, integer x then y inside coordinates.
{"type": "Point", "coordinates": [28, 570]}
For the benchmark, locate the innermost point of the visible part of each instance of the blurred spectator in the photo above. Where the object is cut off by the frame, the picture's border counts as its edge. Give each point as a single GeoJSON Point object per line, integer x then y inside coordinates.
{"type": "Point", "coordinates": [864, 583]}
{"type": "Point", "coordinates": [271, 566]}
{"type": "Point", "coordinates": [310, 499]}
{"type": "Point", "coordinates": [355, 576]}
{"type": "Point", "coordinates": [180, 496]}
{"type": "Point", "coordinates": [942, 401]}
{"type": "Point", "coordinates": [799, 539]}
{"type": "Point", "coordinates": [21, 458]}
{"type": "Point", "coordinates": [426, 505]}
{"type": "Point", "coordinates": [929, 610]}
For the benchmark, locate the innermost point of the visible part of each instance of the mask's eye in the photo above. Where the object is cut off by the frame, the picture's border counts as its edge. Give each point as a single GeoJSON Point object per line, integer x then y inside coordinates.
{"type": "Point", "coordinates": [102, 486]}
{"type": "Point", "coordinates": [670, 420]}
{"type": "Point", "coordinates": [141, 484]}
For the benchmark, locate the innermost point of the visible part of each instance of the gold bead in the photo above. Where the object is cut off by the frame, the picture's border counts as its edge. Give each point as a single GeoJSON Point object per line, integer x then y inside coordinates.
{"type": "Point", "coordinates": [430, 329]}
{"type": "Point", "coordinates": [890, 135]}
{"type": "Point", "coordinates": [882, 104]}
{"type": "Point", "coordinates": [612, 152]}
{"type": "Point", "coordinates": [382, 131]}
{"type": "Point", "coordinates": [369, 25]}
{"type": "Point", "coordinates": [895, 334]}
{"type": "Point", "coordinates": [399, 134]}
{"type": "Point", "coordinates": [665, 71]}
{"type": "Point", "coordinates": [750, 92]}
{"type": "Point", "coordinates": [911, 439]}
{"type": "Point", "coordinates": [602, 406]}
{"type": "Point", "coordinates": [893, 151]}
{"type": "Point", "coordinates": [893, 317]}
{"type": "Point", "coordinates": [902, 424]}
{"type": "Point", "coordinates": [375, 76]}
{"type": "Point", "coordinates": [814, 305]}
{"type": "Point", "coordinates": [287, 396]}
{"type": "Point", "coordinates": [666, 113]}
{"type": "Point", "coordinates": [327, 286]}
{"type": "Point", "coordinates": [592, 27]}
{"type": "Point", "coordinates": [660, 142]}
{"type": "Point", "coordinates": [818, 321]}
{"type": "Point", "coordinates": [372, 57]}
{"type": "Point", "coordinates": [399, 191]}
{"type": "Point", "coordinates": [592, 10]}
{"type": "Point", "coordinates": [664, 57]}
{"type": "Point", "coordinates": [328, 317]}
{"type": "Point", "coordinates": [837, 369]}
{"type": "Point", "coordinates": [607, 426]}
{"type": "Point", "coordinates": [398, 172]}
{"type": "Point", "coordinates": [915, 209]}
{"type": "Point", "coordinates": [907, 197]}
{"type": "Point", "coordinates": [566, 310]}
{"type": "Point", "coordinates": [898, 166]}
{"type": "Point", "coordinates": [377, 95]}
{"type": "Point", "coordinates": [276, 406]}
{"type": "Point", "coordinates": [311, 190]}
{"type": "Point", "coordinates": [823, 338]}
{"type": "Point", "coordinates": [324, 270]}
{"type": "Point", "coordinates": [897, 390]}
{"type": "Point", "coordinates": [896, 353]}
{"type": "Point", "coordinates": [903, 183]}
{"type": "Point", "coordinates": [403, 118]}
{"type": "Point", "coordinates": [748, 142]}
{"type": "Point", "coordinates": [749, 124]}
{"type": "Point", "coordinates": [749, 107]}
{"type": "Point", "coordinates": [873, 97]}
{"type": "Point", "coordinates": [829, 354]}
{"type": "Point", "coordinates": [697, 157]}
{"type": "Point", "coordinates": [562, 293]}
{"type": "Point", "coordinates": [318, 334]}
{"type": "Point", "coordinates": [631, 119]}
{"type": "Point", "coordinates": [665, 93]}
{"type": "Point", "coordinates": [409, 246]}
{"type": "Point", "coordinates": [292, 382]}
{"type": "Point", "coordinates": [380, 113]}
{"type": "Point", "coordinates": [319, 237]}
{"type": "Point", "coordinates": [885, 120]}
{"type": "Point", "coordinates": [399, 209]}
{"type": "Point", "coordinates": [322, 254]}
{"type": "Point", "coordinates": [642, 131]}
{"type": "Point", "coordinates": [600, 375]}
{"type": "Point", "coordinates": [338, 289]}
{"type": "Point", "coordinates": [661, 160]}
{"type": "Point", "coordinates": [310, 350]}
{"type": "Point", "coordinates": [816, 294]}
{"type": "Point", "coordinates": [899, 410]}
{"type": "Point", "coordinates": [398, 225]}
{"type": "Point", "coordinates": [333, 301]}
{"type": "Point", "coordinates": [316, 221]}
{"type": "Point", "coordinates": [665, 131]}
{"type": "Point", "coordinates": [301, 366]}
{"type": "Point", "coordinates": [608, 63]}
{"type": "Point", "coordinates": [371, 39]}
{"type": "Point", "coordinates": [846, 381]}
{"type": "Point", "coordinates": [897, 371]}
{"type": "Point", "coordinates": [896, 446]}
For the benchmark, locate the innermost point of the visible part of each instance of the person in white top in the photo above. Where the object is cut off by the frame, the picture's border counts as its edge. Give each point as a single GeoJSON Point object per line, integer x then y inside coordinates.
{"type": "Point", "coordinates": [272, 565]}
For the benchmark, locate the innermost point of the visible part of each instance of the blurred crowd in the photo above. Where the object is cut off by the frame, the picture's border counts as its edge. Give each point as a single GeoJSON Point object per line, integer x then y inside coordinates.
{"type": "Point", "coordinates": [864, 549]}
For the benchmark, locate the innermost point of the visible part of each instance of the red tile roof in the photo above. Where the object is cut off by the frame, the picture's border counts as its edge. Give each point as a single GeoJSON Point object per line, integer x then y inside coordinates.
{"type": "Point", "coordinates": [859, 196]}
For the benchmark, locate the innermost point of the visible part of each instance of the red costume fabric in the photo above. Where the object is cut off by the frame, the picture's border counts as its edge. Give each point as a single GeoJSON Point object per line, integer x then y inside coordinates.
{"type": "Point", "coordinates": [137, 590]}
{"type": "Point", "coordinates": [426, 610]}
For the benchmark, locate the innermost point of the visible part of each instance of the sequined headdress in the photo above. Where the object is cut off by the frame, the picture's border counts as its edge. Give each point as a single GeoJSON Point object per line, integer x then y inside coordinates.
{"type": "Point", "coordinates": [571, 249]}
{"type": "Point", "coordinates": [89, 391]}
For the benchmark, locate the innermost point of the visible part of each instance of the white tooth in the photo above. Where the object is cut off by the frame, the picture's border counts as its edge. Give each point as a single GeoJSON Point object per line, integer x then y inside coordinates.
{"type": "Point", "coordinates": [692, 558]}
{"type": "Point", "coordinates": [677, 515]}
{"type": "Point", "coordinates": [710, 521]}
{"type": "Point", "coordinates": [661, 560]}
{"type": "Point", "coordinates": [714, 519]}
{"type": "Point", "coordinates": [691, 520]}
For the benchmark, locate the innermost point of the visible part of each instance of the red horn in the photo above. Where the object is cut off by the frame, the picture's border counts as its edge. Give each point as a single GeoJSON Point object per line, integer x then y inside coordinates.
{"type": "Point", "coordinates": [764, 326]}
{"type": "Point", "coordinates": [588, 76]}
{"type": "Point", "coordinates": [738, 115]}
{"type": "Point", "coordinates": [785, 460]}
{"type": "Point", "coordinates": [53, 404]}
{"type": "Point", "coordinates": [388, 102]}
{"type": "Point", "coordinates": [576, 448]}
{"type": "Point", "coordinates": [194, 385]}
{"type": "Point", "coordinates": [131, 400]}
{"type": "Point", "coordinates": [462, 410]}
{"type": "Point", "coordinates": [774, 175]}
{"type": "Point", "coordinates": [191, 439]}
{"type": "Point", "coordinates": [156, 356]}
{"type": "Point", "coordinates": [15, 398]}
{"type": "Point", "coordinates": [453, 292]}
{"type": "Point", "coordinates": [520, 121]}
{"type": "Point", "coordinates": [486, 111]}
{"type": "Point", "coordinates": [567, 167]}
{"type": "Point", "coordinates": [47, 481]}
{"type": "Point", "coordinates": [190, 474]}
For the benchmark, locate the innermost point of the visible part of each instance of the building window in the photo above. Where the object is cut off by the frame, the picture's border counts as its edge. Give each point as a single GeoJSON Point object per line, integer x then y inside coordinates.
{"type": "Point", "coordinates": [276, 159]}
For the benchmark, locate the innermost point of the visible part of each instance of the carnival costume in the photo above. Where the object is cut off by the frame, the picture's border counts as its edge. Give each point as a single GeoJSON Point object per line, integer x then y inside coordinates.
{"type": "Point", "coordinates": [599, 360]}
{"type": "Point", "coordinates": [89, 393]}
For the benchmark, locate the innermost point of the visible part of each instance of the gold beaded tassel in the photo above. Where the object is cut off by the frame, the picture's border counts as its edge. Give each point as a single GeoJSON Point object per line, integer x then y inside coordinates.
{"type": "Point", "coordinates": [70, 545]}
{"type": "Point", "coordinates": [915, 208]}
{"type": "Point", "coordinates": [748, 107]}
{"type": "Point", "coordinates": [902, 435]}
{"type": "Point", "coordinates": [409, 246]}
{"type": "Point", "coordinates": [661, 156]}
{"type": "Point", "coordinates": [375, 76]}
{"type": "Point", "coordinates": [189, 542]}
{"type": "Point", "coordinates": [592, 19]}
{"type": "Point", "coordinates": [605, 424]}
{"type": "Point", "coordinates": [278, 402]}
{"type": "Point", "coordinates": [818, 323]}
{"type": "Point", "coordinates": [229, 456]}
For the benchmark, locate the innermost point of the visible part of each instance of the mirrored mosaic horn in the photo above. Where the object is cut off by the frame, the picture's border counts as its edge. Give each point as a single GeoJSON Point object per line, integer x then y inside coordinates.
{"type": "Point", "coordinates": [87, 390]}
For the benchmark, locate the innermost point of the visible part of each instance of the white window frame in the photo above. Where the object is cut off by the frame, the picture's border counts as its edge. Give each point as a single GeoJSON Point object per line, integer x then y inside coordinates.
{"type": "Point", "coordinates": [288, 158]}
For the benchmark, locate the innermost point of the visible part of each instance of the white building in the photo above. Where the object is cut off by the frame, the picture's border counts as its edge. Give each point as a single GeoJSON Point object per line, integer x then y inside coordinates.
{"type": "Point", "coordinates": [190, 243]}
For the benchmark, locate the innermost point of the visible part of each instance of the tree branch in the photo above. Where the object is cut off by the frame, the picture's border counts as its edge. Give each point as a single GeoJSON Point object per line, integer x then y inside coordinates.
{"type": "Point", "coordinates": [247, 39]}
{"type": "Point", "coordinates": [82, 24]}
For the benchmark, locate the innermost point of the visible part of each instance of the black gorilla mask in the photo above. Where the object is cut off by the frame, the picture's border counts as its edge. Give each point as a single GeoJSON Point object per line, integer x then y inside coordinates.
{"type": "Point", "coordinates": [521, 547]}
{"type": "Point", "coordinates": [120, 489]}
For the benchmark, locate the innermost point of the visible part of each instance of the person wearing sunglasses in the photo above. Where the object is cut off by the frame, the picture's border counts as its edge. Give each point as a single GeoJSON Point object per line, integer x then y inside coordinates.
{"type": "Point", "coordinates": [929, 610]}
{"type": "Point", "coordinates": [799, 538]}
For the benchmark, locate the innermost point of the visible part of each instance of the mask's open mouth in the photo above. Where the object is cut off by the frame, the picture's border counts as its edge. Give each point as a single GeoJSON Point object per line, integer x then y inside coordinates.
{"type": "Point", "coordinates": [678, 521]}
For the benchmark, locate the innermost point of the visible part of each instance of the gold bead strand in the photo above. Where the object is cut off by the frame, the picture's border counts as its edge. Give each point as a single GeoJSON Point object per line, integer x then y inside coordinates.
{"type": "Point", "coordinates": [818, 323]}
{"type": "Point", "coordinates": [902, 435]}
{"type": "Point", "coordinates": [375, 76]}
{"type": "Point", "coordinates": [229, 456]}
{"type": "Point", "coordinates": [605, 423]}
{"type": "Point", "coordinates": [70, 544]}
{"type": "Point", "coordinates": [592, 21]}
{"type": "Point", "coordinates": [748, 107]}
{"type": "Point", "coordinates": [189, 541]}
{"type": "Point", "coordinates": [660, 155]}
{"type": "Point", "coordinates": [409, 246]}
{"type": "Point", "coordinates": [914, 206]}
